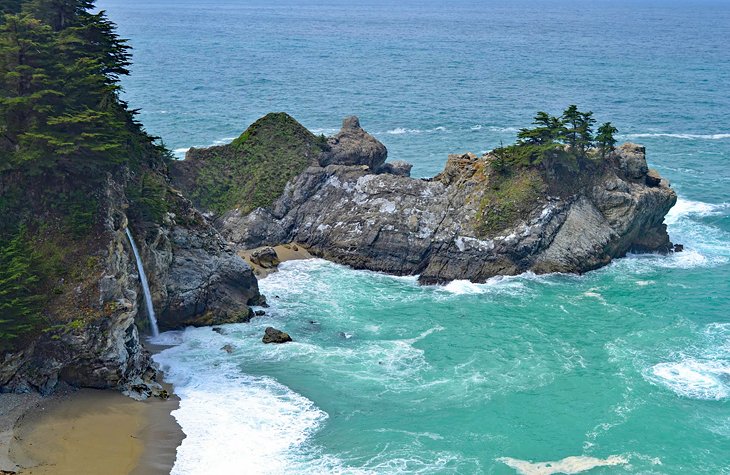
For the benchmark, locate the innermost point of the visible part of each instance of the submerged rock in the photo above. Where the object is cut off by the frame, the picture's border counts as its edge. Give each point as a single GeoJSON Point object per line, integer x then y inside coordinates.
{"type": "Point", "coordinates": [228, 348]}
{"type": "Point", "coordinates": [272, 335]}
{"type": "Point", "coordinates": [260, 313]}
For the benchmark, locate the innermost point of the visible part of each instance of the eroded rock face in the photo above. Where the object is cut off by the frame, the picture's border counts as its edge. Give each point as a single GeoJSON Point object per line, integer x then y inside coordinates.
{"type": "Point", "coordinates": [195, 277]}
{"type": "Point", "coordinates": [469, 222]}
{"type": "Point", "coordinates": [104, 353]}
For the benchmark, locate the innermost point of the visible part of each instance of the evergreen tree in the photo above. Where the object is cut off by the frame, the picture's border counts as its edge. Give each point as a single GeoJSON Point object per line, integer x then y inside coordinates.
{"type": "Point", "coordinates": [28, 85]}
{"type": "Point", "coordinates": [548, 130]}
{"type": "Point", "coordinates": [19, 304]}
{"type": "Point", "coordinates": [605, 138]}
{"type": "Point", "coordinates": [59, 76]}
{"type": "Point", "coordinates": [9, 7]}
{"type": "Point", "coordinates": [59, 14]}
{"type": "Point", "coordinates": [571, 117]}
{"type": "Point", "coordinates": [585, 131]}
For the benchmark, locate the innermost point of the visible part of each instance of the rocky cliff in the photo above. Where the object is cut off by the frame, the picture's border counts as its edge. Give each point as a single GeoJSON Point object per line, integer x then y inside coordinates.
{"type": "Point", "coordinates": [473, 221]}
{"type": "Point", "coordinates": [92, 337]}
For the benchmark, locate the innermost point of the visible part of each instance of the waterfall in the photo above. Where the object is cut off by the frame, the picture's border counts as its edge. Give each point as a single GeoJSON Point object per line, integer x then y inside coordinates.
{"type": "Point", "coordinates": [145, 286]}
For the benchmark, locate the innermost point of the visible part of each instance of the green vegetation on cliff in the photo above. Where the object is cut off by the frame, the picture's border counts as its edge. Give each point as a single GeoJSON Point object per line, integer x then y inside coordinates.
{"type": "Point", "coordinates": [19, 302]}
{"type": "Point", "coordinates": [251, 171]}
{"type": "Point", "coordinates": [567, 137]}
{"type": "Point", "coordinates": [554, 146]}
{"type": "Point", "coordinates": [63, 131]}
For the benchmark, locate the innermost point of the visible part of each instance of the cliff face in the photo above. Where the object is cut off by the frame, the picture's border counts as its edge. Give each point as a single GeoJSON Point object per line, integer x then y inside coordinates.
{"type": "Point", "coordinates": [472, 221]}
{"type": "Point", "coordinates": [196, 279]}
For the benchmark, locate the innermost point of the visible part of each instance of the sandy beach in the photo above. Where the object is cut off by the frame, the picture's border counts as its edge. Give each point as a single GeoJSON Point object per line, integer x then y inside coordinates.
{"type": "Point", "coordinates": [87, 431]}
{"type": "Point", "coordinates": [285, 252]}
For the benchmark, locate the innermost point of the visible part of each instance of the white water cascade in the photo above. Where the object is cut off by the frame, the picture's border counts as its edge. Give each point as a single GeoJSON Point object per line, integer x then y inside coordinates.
{"type": "Point", "coordinates": [145, 286]}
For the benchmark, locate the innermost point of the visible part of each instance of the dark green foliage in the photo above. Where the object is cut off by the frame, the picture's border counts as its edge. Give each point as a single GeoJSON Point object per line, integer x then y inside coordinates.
{"type": "Point", "coordinates": [63, 131]}
{"type": "Point", "coordinates": [9, 6]}
{"type": "Point", "coordinates": [79, 209]}
{"type": "Point", "coordinates": [549, 129]}
{"type": "Point", "coordinates": [59, 82]}
{"type": "Point", "coordinates": [565, 138]}
{"type": "Point", "coordinates": [148, 197]}
{"type": "Point", "coordinates": [19, 303]}
{"type": "Point", "coordinates": [605, 138]}
{"type": "Point", "coordinates": [252, 171]}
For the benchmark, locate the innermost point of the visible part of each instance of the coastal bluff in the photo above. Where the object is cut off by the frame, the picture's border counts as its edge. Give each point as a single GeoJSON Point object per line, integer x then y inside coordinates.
{"type": "Point", "coordinates": [474, 220]}
{"type": "Point", "coordinates": [195, 278]}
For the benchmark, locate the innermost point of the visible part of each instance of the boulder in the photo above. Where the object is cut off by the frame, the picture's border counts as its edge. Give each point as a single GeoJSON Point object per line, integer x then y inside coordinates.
{"type": "Point", "coordinates": [260, 313]}
{"type": "Point", "coordinates": [678, 247]}
{"type": "Point", "coordinates": [353, 146]}
{"type": "Point", "coordinates": [228, 348]}
{"type": "Point", "coordinates": [272, 335]}
{"type": "Point", "coordinates": [265, 257]}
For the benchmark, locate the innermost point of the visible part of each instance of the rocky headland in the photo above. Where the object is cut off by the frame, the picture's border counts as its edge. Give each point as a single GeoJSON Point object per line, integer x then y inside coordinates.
{"type": "Point", "coordinates": [474, 220]}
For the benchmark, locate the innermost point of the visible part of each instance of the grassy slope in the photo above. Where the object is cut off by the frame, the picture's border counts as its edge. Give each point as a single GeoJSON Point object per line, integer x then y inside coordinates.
{"type": "Point", "coordinates": [252, 171]}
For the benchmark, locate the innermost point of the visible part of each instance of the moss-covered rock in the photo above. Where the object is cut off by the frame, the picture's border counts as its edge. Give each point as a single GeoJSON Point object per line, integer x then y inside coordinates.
{"type": "Point", "coordinates": [251, 171]}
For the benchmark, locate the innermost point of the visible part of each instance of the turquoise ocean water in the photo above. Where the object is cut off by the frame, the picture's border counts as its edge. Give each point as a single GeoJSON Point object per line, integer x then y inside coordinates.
{"type": "Point", "coordinates": [626, 369]}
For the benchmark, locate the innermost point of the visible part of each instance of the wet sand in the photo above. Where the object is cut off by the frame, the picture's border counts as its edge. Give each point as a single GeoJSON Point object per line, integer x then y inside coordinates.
{"type": "Point", "coordinates": [91, 431]}
{"type": "Point", "coordinates": [285, 252]}
{"type": "Point", "coordinates": [12, 406]}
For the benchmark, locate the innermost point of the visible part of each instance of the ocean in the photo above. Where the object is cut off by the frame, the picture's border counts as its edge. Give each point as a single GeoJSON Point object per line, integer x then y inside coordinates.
{"type": "Point", "coordinates": [622, 370]}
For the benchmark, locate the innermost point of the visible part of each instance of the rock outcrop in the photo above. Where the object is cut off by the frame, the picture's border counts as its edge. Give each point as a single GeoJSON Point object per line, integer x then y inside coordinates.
{"type": "Point", "coordinates": [265, 257]}
{"type": "Point", "coordinates": [272, 335]}
{"type": "Point", "coordinates": [251, 171]}
{"type": "Point", "coordinates": [195, 277]}
{"type": "Point", "coordinates": [472, 221]}
{"type": "Point", "coordinates": [353, 146]}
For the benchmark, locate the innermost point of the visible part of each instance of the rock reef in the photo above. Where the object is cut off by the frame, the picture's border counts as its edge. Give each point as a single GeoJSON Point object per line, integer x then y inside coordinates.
{"type": "Point", "coordinates": [472, 221]}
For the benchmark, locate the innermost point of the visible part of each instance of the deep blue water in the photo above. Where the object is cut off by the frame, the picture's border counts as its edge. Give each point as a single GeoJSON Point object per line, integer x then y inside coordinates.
{"type": "Point", "coordinates": [630, 362]}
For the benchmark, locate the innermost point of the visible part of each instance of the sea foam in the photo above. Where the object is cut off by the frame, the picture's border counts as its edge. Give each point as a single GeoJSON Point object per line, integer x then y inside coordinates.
{"type": "Point", "coordinates": [568, 465]}
{"type": "Point", "coordinates": [722, 136]}
{"type": "Point", "coordinates": [234, 423]}
{"type": "Point", "coordinates": [707, 380]}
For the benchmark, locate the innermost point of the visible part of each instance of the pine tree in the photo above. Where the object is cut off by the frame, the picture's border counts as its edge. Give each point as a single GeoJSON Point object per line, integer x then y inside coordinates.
{"type": "Point", "coordinates": [605, 138]}
{"type": "Point", "coordinates": [59, 76]}
{"type": "Point", "coordinates": [59, 14]}
{"type": "Point", "coordinates": [585, 131]}
{"type": "Point", "coordinates": [28, 90]}
{"type": "Point", "coordinates": [19, 303]}
{"type": "Point", "coordinates": [9, 7]}
{"type": "Point", "coordinates": [548, 130]}
{"type": "Point", "coordinates": [571, 117]}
